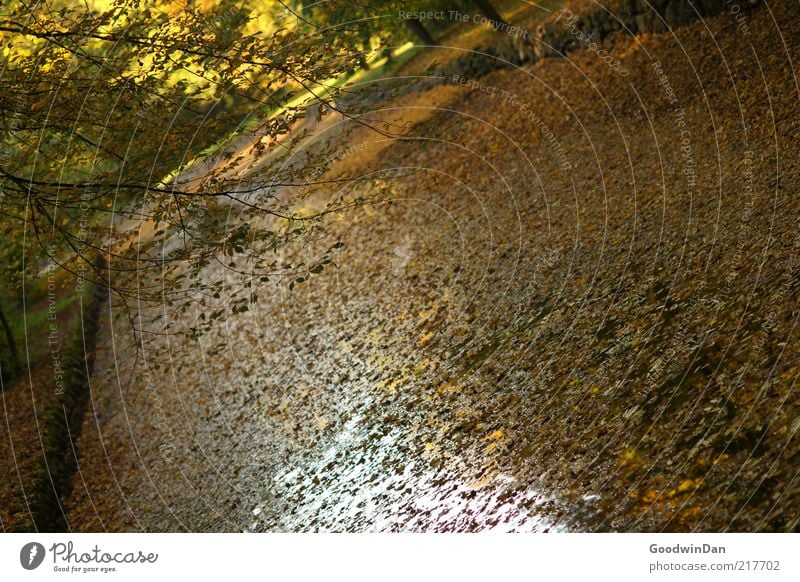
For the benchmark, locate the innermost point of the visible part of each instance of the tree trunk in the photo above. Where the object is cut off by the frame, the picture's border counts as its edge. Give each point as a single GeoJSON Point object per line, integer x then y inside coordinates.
{"type": "Point", "coordinates": [415, 26]}
{"type": "Point", "coordinates": [489, 11]}
{"type": "Point", "coordinates": [12, 346]}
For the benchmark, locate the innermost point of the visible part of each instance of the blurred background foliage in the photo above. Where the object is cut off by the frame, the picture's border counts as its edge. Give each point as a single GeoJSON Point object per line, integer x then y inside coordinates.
{"type": "Point", "coordinates": [103, 103]}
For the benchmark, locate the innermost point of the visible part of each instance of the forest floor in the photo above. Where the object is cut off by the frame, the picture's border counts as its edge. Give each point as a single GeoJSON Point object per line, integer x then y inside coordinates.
{"type": "Point", "coordinates": [574, 309]}
{"type": "Point", "coordinates": [44, 326]}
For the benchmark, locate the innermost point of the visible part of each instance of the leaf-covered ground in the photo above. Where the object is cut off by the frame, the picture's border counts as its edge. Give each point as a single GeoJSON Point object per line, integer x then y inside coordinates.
{"type": "Point", "coordinates": [575, 308]}
{"type": "Point", "coordinates": [44, 325]}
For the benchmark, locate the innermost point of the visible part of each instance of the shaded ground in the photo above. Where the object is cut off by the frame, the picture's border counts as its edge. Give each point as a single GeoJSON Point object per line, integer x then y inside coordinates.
{"type": "Point", "coordinates": [576, 310]}
{"type": "Point", "coordinates": [43, 334]}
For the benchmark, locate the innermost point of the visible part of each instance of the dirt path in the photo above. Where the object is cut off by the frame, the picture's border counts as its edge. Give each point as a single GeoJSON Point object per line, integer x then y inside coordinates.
{"type": "Point", "coordinates": [577, 312]}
